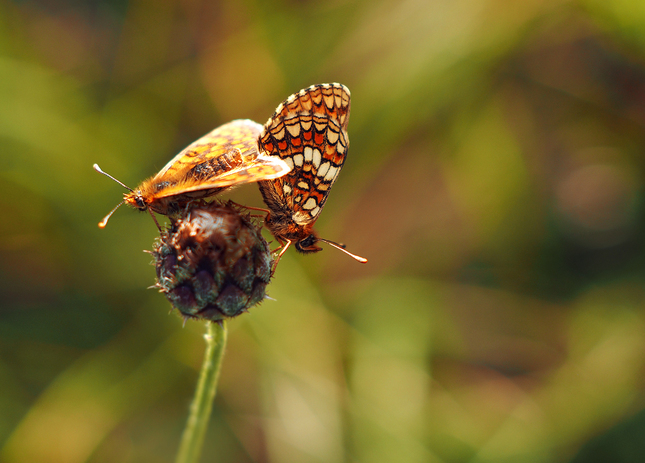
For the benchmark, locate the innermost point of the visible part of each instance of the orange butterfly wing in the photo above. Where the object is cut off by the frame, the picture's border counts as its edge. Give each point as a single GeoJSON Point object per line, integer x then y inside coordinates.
{"type": "Point", "coordinates": [225, 157]}
{"type": "Point", "coordinates": [309, 132]}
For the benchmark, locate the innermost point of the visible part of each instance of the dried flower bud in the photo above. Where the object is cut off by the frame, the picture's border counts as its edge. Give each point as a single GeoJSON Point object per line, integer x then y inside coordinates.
{"type": "Point", "coordinates": [212, 262]}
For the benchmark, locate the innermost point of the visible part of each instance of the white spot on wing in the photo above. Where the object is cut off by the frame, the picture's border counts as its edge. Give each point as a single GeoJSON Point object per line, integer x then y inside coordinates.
{"type": "Point", "coordinates": [338, 99]}
{"type": "Point", "coordinates": [316, 158]}
{"type": "Point", "coordinates": [286, 189]}
{"type": "Point", "coordinates": [315, 211]}
{"type": "Point", "coordinates": [310, 203]}
{"type": "Point", "coordinates": [297, 160]}
{"type": "Point", "coordinates": [289, 162]}
{"type": "Point", "coordinates": [332, 136]}
{"type": "Point", "coordinates": [329, 101]}
{"type": "Point", "coordinates": [294, 130]}
{"type": "Point", "coordinates": [301, 218]}
{"type": "Point", "coordinates": [309, 154]}
{"type": "Point", "coordinates": [331, 174]}
{"type": "Point", "coordinates": [323, 169]}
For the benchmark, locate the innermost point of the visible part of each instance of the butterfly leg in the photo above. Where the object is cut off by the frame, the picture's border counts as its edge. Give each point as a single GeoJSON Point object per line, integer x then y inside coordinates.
{"type": "Point", "coordinates": [155, 219]}
{"type": "Point", "coordinates": [283, 248]}
{"type": "Point", "coordinates": [266, 211]}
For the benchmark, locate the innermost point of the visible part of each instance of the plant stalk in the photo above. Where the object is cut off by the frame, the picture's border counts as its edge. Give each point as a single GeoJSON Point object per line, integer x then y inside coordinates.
{"type": "Point", "coordinates": [192, 440]}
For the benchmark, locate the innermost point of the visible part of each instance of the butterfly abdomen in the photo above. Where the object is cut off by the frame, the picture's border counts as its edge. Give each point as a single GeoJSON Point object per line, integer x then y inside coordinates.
{"type": "Point", "coordinates": [216, 166]}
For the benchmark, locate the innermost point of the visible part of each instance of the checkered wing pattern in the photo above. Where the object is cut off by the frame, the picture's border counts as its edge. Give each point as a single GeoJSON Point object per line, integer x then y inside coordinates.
{"type": "Point", "coordinates": [308, 131]}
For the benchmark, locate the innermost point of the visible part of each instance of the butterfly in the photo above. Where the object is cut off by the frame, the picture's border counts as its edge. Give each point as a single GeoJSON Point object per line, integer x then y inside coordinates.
{"type": "Point", "coordinates": [225, 157]}
{"type": "Point", "coordinates": [308, 131]}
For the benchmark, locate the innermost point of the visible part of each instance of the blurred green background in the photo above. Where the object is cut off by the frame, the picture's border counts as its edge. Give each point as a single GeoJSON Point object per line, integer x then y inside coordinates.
{"type": "Point", "coordinates": [495, 181]}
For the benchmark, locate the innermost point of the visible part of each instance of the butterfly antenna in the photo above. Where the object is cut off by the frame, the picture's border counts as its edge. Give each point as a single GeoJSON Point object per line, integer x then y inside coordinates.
{"type": "Point", "coordinates": [98, 169]}
{"type": "Point", "coordinates": [104, 222]}
{"type": "Point", "coordinates": [341, 247]}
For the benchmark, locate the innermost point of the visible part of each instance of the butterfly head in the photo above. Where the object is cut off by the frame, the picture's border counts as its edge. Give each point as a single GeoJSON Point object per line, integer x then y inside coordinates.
{"type": "Point", "coordinates": [135, 199]}
{"type": "Point", "coordinates": [308, 244]}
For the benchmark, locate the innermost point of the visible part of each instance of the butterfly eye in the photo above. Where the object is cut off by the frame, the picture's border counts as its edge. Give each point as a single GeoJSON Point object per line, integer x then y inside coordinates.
{"type": "Point", "coordinates": [308, 244]}
{"type": "Point", "coordinates": [141, 205]}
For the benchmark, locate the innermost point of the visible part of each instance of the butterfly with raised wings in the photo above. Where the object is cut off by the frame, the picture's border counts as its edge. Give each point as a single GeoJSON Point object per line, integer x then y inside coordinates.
{"type": "Point", "coordinates": [308, 131]}
{"type": "Point", "coordinates": [225, 157]}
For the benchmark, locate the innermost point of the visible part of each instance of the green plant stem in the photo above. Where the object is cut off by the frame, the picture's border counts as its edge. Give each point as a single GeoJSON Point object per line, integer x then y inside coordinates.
{"type": "Point", "coordinates": [200, 410]}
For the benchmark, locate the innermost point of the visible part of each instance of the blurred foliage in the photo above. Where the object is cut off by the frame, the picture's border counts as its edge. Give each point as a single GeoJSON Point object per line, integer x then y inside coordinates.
{"type": "Point", "coordinates": [495, 181]}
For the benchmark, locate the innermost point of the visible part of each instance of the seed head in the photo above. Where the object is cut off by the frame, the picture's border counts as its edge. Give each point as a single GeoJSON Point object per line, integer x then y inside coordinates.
{"type": "Point", "coordinates": [212, 262]}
